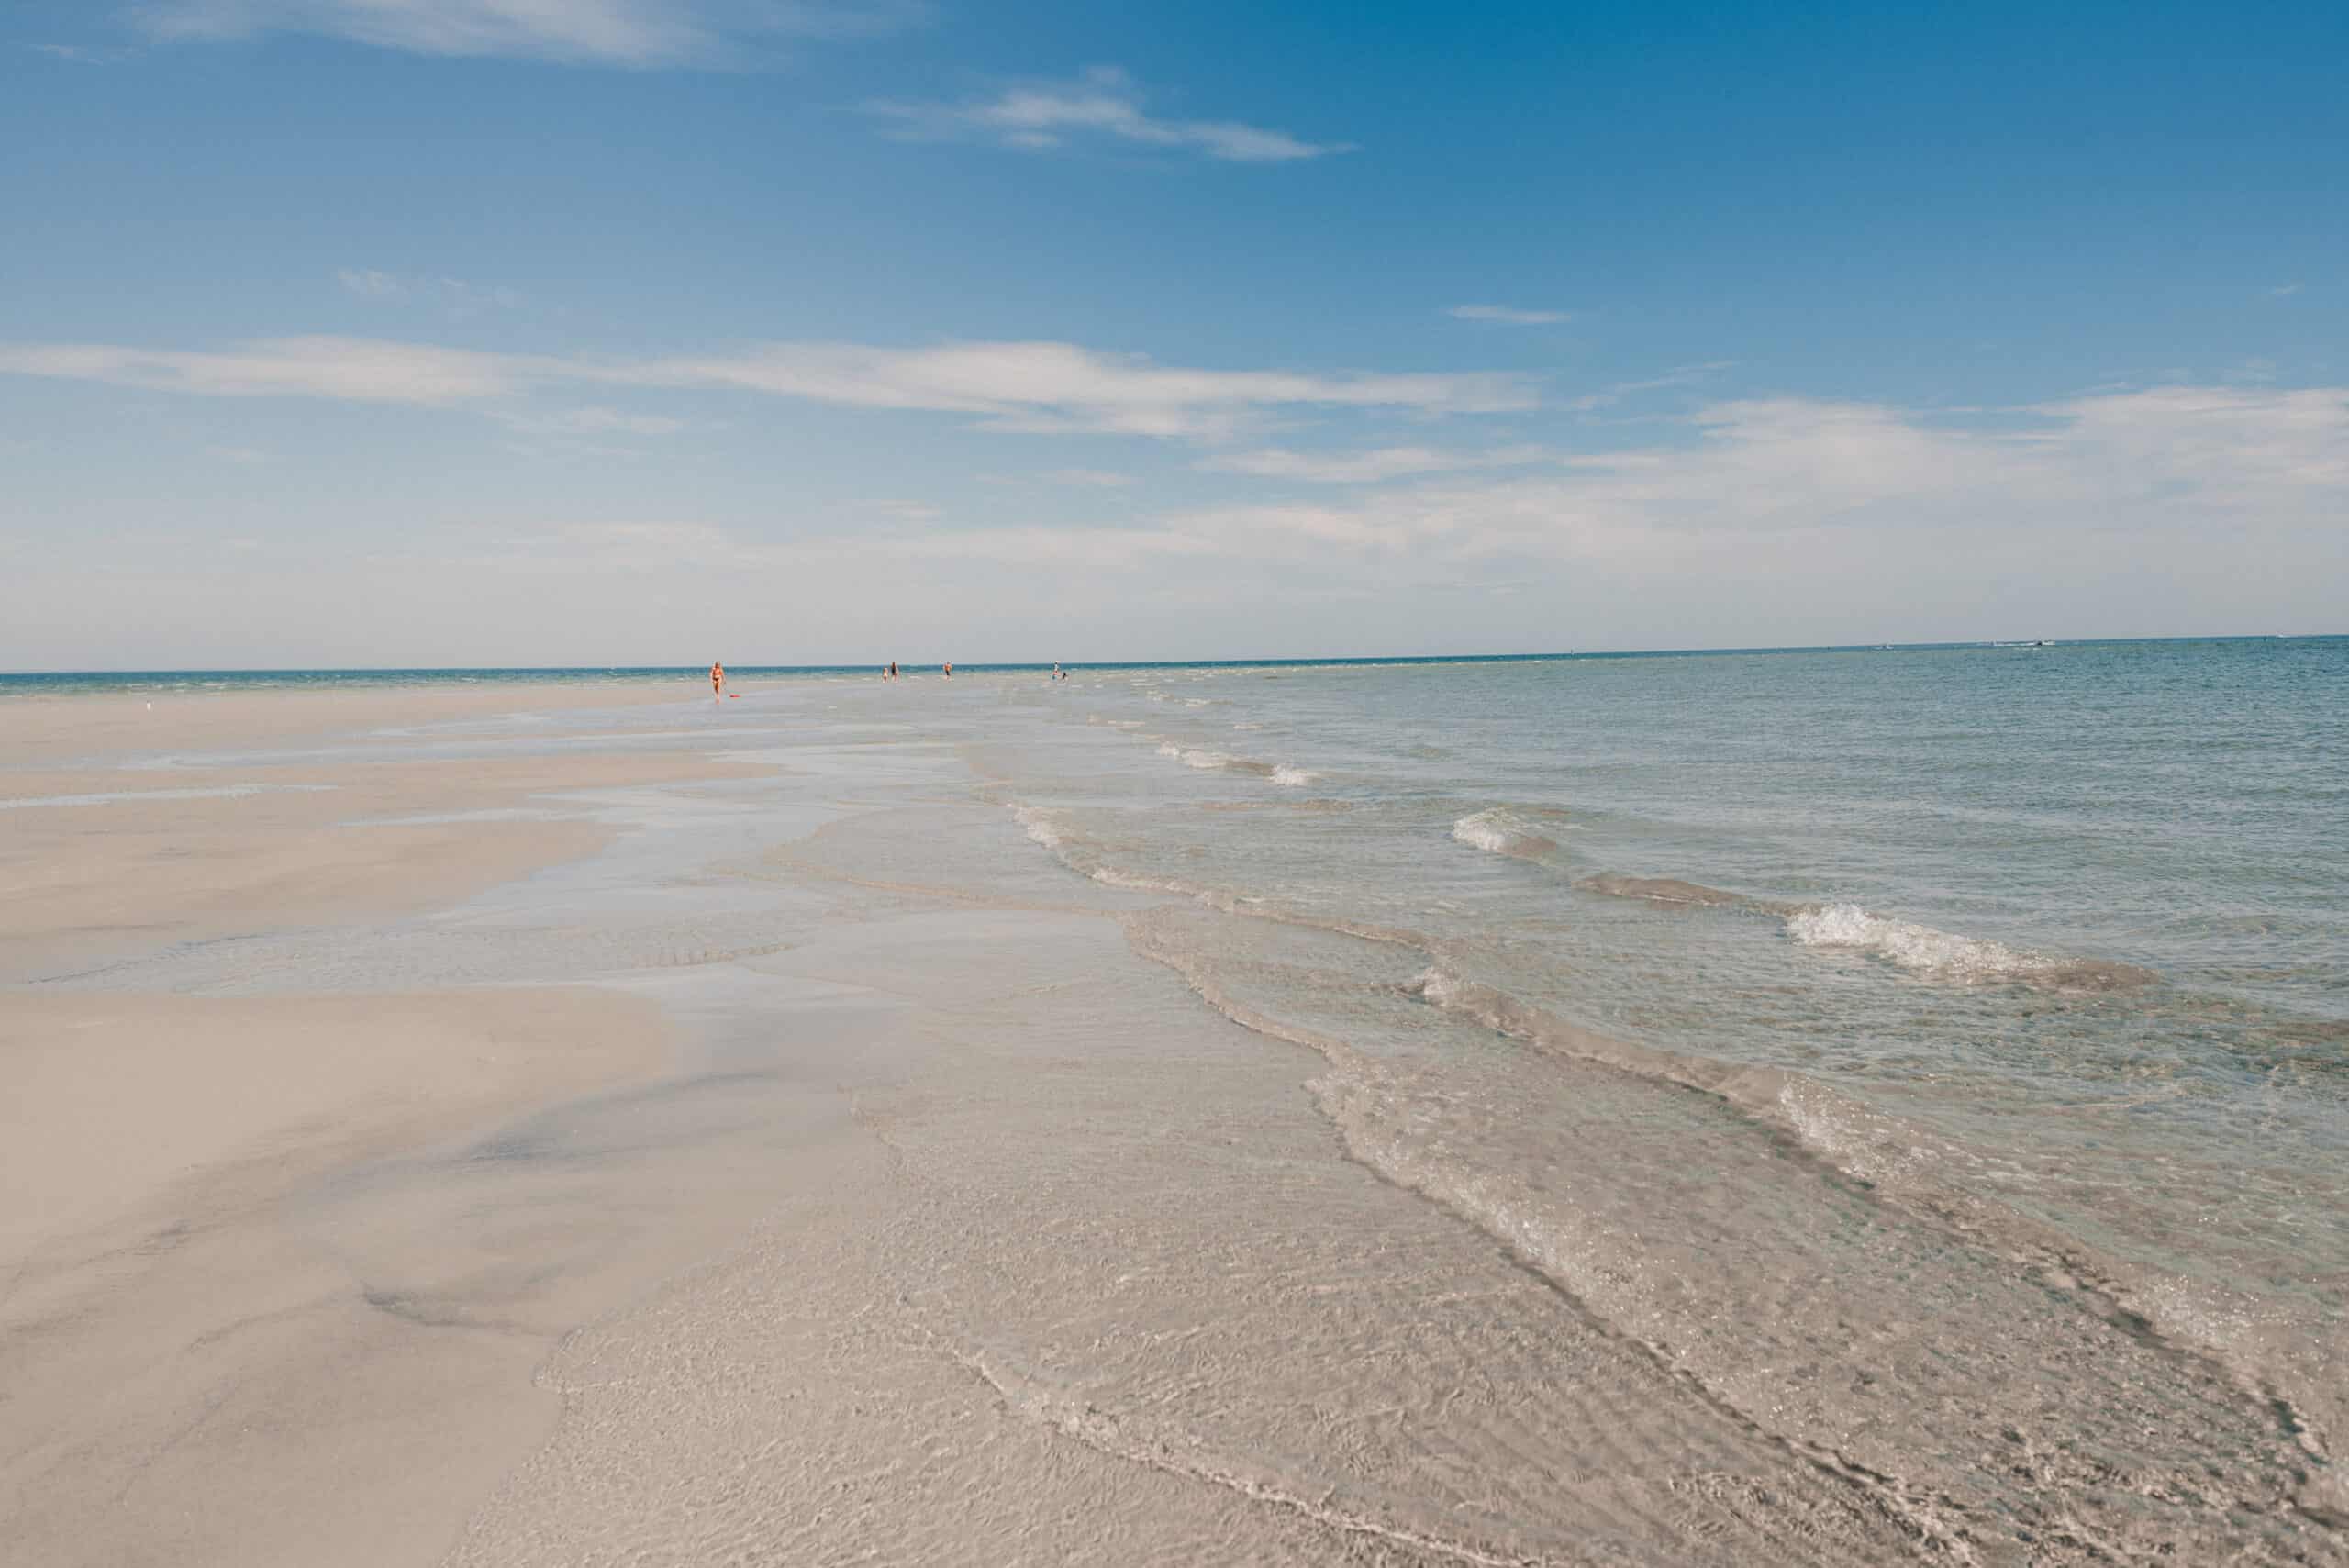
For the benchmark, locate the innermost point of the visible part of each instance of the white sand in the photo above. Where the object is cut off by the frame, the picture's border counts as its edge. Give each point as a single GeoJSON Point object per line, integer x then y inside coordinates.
{"type": "Point", "coordinates": [187, 1376]}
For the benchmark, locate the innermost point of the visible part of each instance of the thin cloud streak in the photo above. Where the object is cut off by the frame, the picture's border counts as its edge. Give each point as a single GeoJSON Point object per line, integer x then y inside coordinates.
{"type": "Point", "coordinates": [1059, 388]}
{"type": "Point", "coordinates": [357, 369]}
{"type": "Point", "coordinates": [593, 421]}
{"type": "Point", "coordinates": [1368, 467]}
{"type": "Point", "coordinates": [655, 547]}
{"type": "Point", "coordinates": [640, 33]}
{"type": "Point", "coordinates": [372, 284]}
{"type": "Point", "coordinates": [1508, 315]}
{"type": "Point", "coordinates": [1680, 376]}
{"type": "Point", "coordinates": [1104, 102]}
{"type": "Point", "coordinates": [1063, 388]}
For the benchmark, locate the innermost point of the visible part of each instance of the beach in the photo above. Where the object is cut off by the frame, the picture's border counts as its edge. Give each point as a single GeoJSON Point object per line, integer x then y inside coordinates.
{"type": "Point", "coordinates": [1308, 1114]}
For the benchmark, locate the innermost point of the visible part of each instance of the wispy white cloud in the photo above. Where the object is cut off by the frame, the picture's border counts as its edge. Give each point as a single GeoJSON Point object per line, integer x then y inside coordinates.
{"type": "Point", "coordinates": [1508, 315]}
{"type": "Point", "coordinates": [604, 32]}
{"type": "Point", "coordinates": [2205, 460]}
{"type": "Point", "coordinates": [593, 421]}
{"type": "Point", "coordinates": [368, 284]}
{"type": "Point", "coordinates": [1369, 467]}
{"type": "Point", "coordinates": [1088, 478]}
{"type": "Point", "coordinates": [2283, 291]}
{"type": "Point", "coordinates": [2183, 458]}
{"type": "Point", "coordinates": [2174, 508]}
{"type": "Point", "coordinates": [897, 510]}
{"type": "Point", "coordinates": [1102, 103]}
{"type": "Point", "coordinates": [1678, 376]}
{"type": "Point", "coordinates": [456, 294]}
{"type": "Point", "coordinates": [360, 370]}
{"type": "Point", "coordinates": [1065, 388]}
{"type": "Point", "coordinates": [651, 546]}
{"type": "Point", "coordinates": [79, 54]}
{"type": "Point", "coordinates": [2246, 453]}
{"type": "Point", "coordinates": [1774, 486]}
{"type": "Point", "coordinates": [1029, 386]}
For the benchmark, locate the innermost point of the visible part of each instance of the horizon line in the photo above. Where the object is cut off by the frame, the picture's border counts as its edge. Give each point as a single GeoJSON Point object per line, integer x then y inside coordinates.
{"type": "Point", "coordinates": [1253, 661]}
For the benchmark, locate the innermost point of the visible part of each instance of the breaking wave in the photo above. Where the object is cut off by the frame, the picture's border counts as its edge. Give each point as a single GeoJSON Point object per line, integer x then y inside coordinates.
{"type": "Point", "coordinates": [1943, 955]}
{"type": "Point", "coordinates": [1922, 950]}
{"type": "Point", "coordinates": [1208, 760]}
{"type": "Point", "coordinates": [1502, 833]}
{"type": "Point", "coordinates": [1038, 824]}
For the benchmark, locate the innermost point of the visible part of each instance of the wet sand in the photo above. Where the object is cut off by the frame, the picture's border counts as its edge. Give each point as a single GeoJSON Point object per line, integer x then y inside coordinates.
{"type": "Point", "coordinates": [726, 1135]}
{"type": "Point", "coordinates": [180, 1363]}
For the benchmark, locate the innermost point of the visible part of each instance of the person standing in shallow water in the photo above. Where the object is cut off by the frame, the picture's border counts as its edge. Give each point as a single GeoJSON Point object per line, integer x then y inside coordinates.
{"type": "Point", "coordinates": [949, 672]}
{"type": "Point", "coordinates": [717, 681]}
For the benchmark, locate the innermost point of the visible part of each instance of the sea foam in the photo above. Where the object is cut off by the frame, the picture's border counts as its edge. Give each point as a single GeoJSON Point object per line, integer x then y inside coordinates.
{"type": "Point", "coordinates": [1038, 824]}
{"type": "Point", "coordinates": [1501, 831]}
{"type": "Point", "coordinates": [1943, 956]}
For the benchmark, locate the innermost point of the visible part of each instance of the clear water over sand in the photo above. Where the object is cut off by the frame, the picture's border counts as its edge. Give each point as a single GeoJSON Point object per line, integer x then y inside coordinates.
{"type": "Point", "coordinates": [1820, 1107]}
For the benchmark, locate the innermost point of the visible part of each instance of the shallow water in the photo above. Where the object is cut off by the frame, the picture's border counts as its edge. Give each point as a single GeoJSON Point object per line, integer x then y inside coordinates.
{"type": "Point", "coordinates": [2045, 951]}
{"type": "Point", "coordinates": [1807, 1106]}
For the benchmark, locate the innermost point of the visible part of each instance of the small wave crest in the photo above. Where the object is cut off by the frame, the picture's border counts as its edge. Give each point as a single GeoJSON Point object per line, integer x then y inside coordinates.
{"type": "Point", "coordinates": [1661, 890]}
{"type": "Point", "coordinates": [1038, 824]}
{"type": "Point", "coordinates": [1943, 956]}
{"type": "Point", "coordinates": [1202, 758]}
{"type": "Point", "coordinates": [1207, 758]}
{"type": "Point", "coordinates": [1082, 855]}
{"type": "Point", "coordinates": [1501, 831]}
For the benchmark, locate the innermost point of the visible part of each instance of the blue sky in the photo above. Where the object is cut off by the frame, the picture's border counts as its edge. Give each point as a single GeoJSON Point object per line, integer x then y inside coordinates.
{"type": "Point", "coordinates": [454, 331]}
